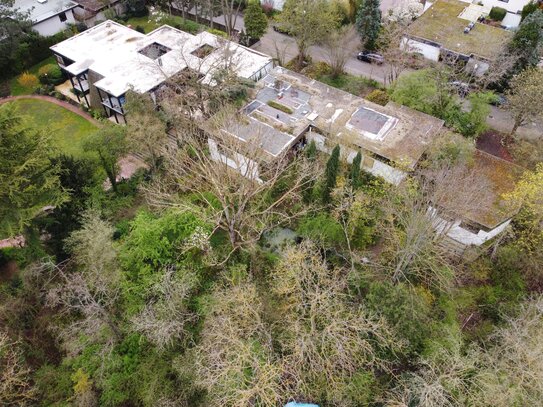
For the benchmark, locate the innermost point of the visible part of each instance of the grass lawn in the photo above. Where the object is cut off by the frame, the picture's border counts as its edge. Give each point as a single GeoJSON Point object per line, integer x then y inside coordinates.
{"type": "Point", "coordinates": [150, 22]}
{"type": "Point", "coordinates": [68, 130]}
{"type": "Point", "coordinates": [17, 89]}
{"type": "Point", "coordinates": [356, 85]}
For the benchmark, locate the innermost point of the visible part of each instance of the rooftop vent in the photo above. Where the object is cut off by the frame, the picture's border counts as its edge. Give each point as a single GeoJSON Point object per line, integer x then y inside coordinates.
{"type": "Point", "coordinates": [42, 1]}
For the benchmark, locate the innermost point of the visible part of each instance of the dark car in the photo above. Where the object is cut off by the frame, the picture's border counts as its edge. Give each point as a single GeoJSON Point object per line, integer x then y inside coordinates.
{"type": "Point", "coordinates": [370, 57]}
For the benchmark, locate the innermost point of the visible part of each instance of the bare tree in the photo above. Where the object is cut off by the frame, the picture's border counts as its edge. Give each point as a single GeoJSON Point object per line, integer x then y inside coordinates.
{"type": "Point", "coordinates": [90, 288]}
{"type": "Point", "coordinates": [233, 178]}
{"type": "Point", "coordinates": [524, 99]}
{"type": "Point", "coordinates": [146, 128]}
{"type": "Point", "coordinates": [338, 47]}
{"type": "Point", "coordinates": [420, 213]}
{"type": "Point", "coordinates": [234, 359]}
{"type": "Point", "coordinates": [164, 319]}
{"type": "Point", "coordinates": [230, 10]}
{"type": "Point", "coordinates": [15, 384]}
{"type": "Point", "coordinates": [325, 337]}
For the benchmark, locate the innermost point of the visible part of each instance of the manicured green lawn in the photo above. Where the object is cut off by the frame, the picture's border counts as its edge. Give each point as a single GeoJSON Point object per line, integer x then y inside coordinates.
{"type": "Point", "coordinates": [149, 23]}
{"type": "Point", "coordinates": [18, 89]}
{"type": "Point", "coordinates": [68, 130]}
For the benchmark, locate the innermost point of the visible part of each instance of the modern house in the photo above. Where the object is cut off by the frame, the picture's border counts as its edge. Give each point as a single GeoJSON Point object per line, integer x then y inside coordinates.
{"type": "Point", "coordinates": [449, 30]}
{"type": "Point", "coordinates": [483, 222]}
{"type": "Point", "coordinates": [289, 108]}
{"type": "Point", "coordinates": [107, 60]}
{"type": "Point", "coordinates": [48, 16]}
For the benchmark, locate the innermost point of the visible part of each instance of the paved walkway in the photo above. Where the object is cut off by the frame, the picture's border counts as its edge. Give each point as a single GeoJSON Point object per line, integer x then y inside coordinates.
{"type": "Point", "coordinates": [50, 99]}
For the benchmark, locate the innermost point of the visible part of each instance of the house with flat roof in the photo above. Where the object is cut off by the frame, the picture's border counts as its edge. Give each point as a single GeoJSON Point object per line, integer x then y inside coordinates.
{"type": "Point", "coordinates": [449, 30]}
{"type": "Point", "coordinates": [48, 16]}
{"type": "Point", "coordinates": [513, 8]}
{"type": "Point", "coordinates": [289, 108]}
{"type": "Point", "coordinates": [483, 222]}
{"type": "Point", "coordinates": [107, 60]}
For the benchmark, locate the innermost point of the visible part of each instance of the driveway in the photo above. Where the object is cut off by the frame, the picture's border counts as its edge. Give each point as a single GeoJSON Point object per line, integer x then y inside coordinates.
{"type": "Point", "coordinates": [274, 44]}
{"type": "Point", "coordinates": [501, 120]}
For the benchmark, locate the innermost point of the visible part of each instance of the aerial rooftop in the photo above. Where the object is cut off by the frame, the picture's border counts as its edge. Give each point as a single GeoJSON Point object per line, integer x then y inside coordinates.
{"type": "Point", "coordinates": [442, 24]}
{"type": "Point", "coordinates": [501, 176]}
{"type": "Point", "coordinates": [128, 59]}
{"type": "Point", "coordinates": [42, 11]}
{"type": "Point", "coordinates": [290, 103]}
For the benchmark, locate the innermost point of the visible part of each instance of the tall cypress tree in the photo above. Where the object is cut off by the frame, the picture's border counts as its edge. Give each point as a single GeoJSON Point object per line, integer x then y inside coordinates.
{"type": "Point", "coordinates": [355, 171]}
{"type": "Point", "coordinates": [330, 175]}
{"type": "Point", "coordinates": [368, 23]}
{"type": "Point", "coordinates": [311, 154]}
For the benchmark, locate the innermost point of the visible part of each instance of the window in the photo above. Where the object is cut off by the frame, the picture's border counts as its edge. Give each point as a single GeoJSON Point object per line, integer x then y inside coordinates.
{"type": "Point", "coordinates": [62, 17]}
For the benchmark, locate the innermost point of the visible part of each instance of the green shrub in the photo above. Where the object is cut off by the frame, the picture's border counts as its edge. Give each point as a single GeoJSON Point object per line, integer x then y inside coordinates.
{"type": "Point", "coordinates": [315, 71]}
{"type": "Point", "coordinates": [140, 29]}
{"type": "Point", "coordinates": [378, 96]}
{"type": "Point", "coordinates": [216, 32]}
{"type": "Point", "coordinates": [50, 74]}
{"type": "Point", "coordinates": [497, 13]}
{"type": "Point", "coordinates": [323, 230]}
{"type": "Point", "coordinates": [280, 107]}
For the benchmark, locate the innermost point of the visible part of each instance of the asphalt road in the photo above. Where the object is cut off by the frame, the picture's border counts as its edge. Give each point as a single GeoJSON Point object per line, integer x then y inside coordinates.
{"type": "Point", "coordinates": [273, 41]}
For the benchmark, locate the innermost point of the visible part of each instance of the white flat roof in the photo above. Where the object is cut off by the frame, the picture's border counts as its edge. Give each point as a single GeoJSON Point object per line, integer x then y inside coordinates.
{"type": "Point", "coordinates": [112, 50]}
{"type": "Point", "coordinates": [43, 11]}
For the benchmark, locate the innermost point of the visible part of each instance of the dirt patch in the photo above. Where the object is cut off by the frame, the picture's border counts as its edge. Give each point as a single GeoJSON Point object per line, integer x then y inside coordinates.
{"type": "Point", "coordinates": [8, 270]}
{"type": "Point", "coordinates": [491, 142]}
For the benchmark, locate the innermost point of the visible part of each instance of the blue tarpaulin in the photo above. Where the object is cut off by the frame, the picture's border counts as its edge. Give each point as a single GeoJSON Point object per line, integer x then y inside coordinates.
{"type": "Point", "coordinates": [294, 404]}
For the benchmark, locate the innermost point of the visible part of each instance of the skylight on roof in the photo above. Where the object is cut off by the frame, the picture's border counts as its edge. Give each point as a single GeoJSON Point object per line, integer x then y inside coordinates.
{"type": "Point", "coordinates": [154, 50]}
{"type": "Point", "coordinates": [371, 123]}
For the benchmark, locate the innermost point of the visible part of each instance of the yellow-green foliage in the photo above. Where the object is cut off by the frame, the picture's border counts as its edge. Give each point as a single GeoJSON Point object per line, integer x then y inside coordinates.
{"type": "Point", "coordinates": [28, 80]}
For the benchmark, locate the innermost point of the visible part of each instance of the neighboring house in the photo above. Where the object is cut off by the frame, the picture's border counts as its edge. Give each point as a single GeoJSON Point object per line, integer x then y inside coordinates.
{"type": "Point", "coordinates": [92, 11]}
{"type": "Point", "coordinates": [439, 33]}
{"type": "Point", "coordinates": [513, 7]}
{"type": "Point", "coordinates": [107, 60]}
{"type": "Point", "coordinates": [483, 222]}
{"type": "Point", "coordinates": [290, 110]}
{"type": "Point", "coordinates": [48, 16]}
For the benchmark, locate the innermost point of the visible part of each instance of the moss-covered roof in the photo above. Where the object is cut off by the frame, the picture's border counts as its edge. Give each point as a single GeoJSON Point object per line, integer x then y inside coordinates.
{"type": "Point", "coordinates": [502, 176]}
{"type": "Point", "coordinates": [441, 24]}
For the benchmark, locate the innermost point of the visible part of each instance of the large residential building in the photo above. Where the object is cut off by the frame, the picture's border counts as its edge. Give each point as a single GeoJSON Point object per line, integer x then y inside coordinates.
{"type": "Point", "coordinates": [289, 108]}
{"type": "Point", "coordinates": [107, 60]}
{"type": "Point", "coordinates": [443, 32]}
{"type": "Point", "coordinates": [48, 16]}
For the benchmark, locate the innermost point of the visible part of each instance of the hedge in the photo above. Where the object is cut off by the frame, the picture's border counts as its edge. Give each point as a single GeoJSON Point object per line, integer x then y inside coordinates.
{"type": "Point", "coordinates": [50, 75]}
{"type": "Point", "coordinates": [280, 107]}
{"type": "Point", "coordinates": [497, 13]}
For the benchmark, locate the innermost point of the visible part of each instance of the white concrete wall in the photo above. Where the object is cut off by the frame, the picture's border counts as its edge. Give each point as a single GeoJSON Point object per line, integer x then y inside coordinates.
{"type": "Point", "coordinates": [455, 231]}
{"type": "Point", "coordinates": [378, 168]}
{"type": "Point", "coordinates": [429, 51]}
{"type": "Point", "coordinates": [248, 168]}
{"type": "Point", "coordinates": [53, 25]}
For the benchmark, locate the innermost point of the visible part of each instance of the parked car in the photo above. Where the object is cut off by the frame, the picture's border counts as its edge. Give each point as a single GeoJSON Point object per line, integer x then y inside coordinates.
{"type": "Point", "coordinates": [370, 57]}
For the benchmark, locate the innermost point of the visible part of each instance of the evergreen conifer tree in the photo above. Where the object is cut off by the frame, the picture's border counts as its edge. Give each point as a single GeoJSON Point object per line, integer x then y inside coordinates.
{"type": "Point", "coordinates": [368, 23]}
{"type": "Point", "coordinates": [256, 22]}
{"type": "Point", "coordinates": [330, 175]}
{"type": "Point", "coordinates": [355, 171]}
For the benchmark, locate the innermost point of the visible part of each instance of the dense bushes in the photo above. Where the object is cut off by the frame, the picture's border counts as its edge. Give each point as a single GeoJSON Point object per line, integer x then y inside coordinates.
{"type": "Point", "coordinates": [497, 13]}
{"type": "Point", "coordinates": [50, 75]}
{"type": "Point", "coordinates": [378, 96]}
{"type": "Point", "coordinates": [32, 49]}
